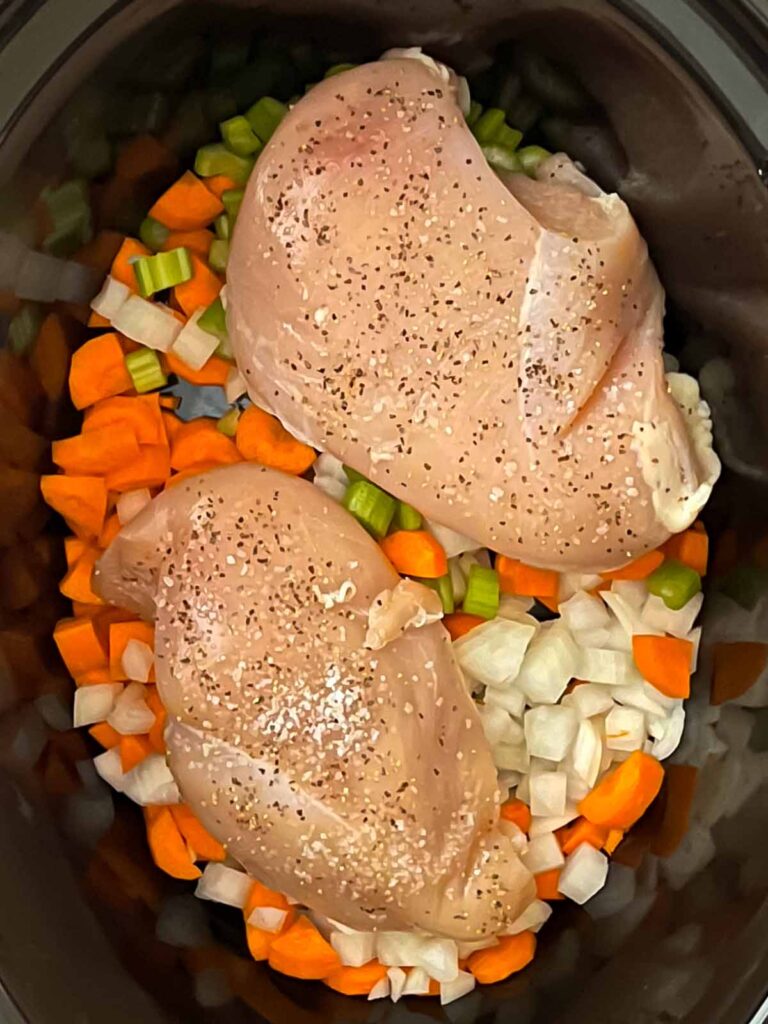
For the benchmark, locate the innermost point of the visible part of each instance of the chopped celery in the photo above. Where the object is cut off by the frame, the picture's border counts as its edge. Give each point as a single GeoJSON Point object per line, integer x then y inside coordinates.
{"type": "Point", "coordinates": [444, 587]}
{"type": "Point", "coordinates": [233, 200]}
{"type": "Point", "coordinates": [265, 115]}
{"type": "Point", "coordinates": [372, 507]}
{"type": "Point", "coordinates": [153, 234]}
{"type": "Point", "coordinates": [164, 270]}
{"type": "Point", "coordinates": [508, 137]}
{"type": "Point", "coordinates": [531, 156]}
{"type": "Point", "coordinates": [352, 475]}
{"type": "Point", "coordinates": [482, 596]}
{"type": "Point", "coordinates": [475, 110]}
{"type": "Point", "coordinates": [145, 370]}
{"type": "Point", "coordinates": [218, 255]}
{"type": "Point", "coordinates": [24, 328]}
{"type": "Point", "coordinates": [674, 583]}
{"type": "Point", "coordinates": [406, 517]}
{"type": "Point", "coordinates": [487, 126]}
{"type": "Point", "coordinates": [69, 209]}
{"type": "Point", "coordinates": [228, 422]}
{"type": "Point", "coordinates": [501, 157]}
{"type": "Point", "coordinates": [214, 320]}
{"type": "Point", "coordinates": [239, 136]}
{"type": "Point", "coordinates": [223, 226]}
{"type": "Point", "coordinates": [336, 69]}
{"type": "Point", "coordinates": [217, 159]}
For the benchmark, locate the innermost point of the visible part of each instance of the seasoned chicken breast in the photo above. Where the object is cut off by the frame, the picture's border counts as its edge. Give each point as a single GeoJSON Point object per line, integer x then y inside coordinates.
{"type": "Point", "coordinates": [488, 350]}
{"type": "Point", "coordinates": [357, 781]}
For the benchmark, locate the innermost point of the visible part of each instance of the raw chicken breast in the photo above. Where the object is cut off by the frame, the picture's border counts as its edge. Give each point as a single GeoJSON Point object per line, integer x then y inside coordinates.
{"type": "Point", "coordinates": [358, 782]}
{"type": "Point", "coordinates": [485, 349]}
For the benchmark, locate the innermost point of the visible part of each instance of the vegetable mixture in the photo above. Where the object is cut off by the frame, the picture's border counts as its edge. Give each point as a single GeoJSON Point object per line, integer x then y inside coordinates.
{"type": "Point", "coordinates": [579, 680]}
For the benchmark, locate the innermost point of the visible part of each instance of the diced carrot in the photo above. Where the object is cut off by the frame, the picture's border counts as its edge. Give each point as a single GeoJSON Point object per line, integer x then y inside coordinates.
{"type": "Point", "coordinates": [96, 677]}
{"type": "Point", "coordinates": [74, 546]}
{"type": "Point", "coordinates": [581, 831]}
{"type": "Point", "coordinates": [98, 371]}
{"type": "Point", "coordinates": [82, 500]}
{"type": "Point", "coordinates": [97, 320]}
{"type": "Point", "coordinates": [302, 952]}
{"type": "Point", "coordinates": [215, 372]}
{"type": "Point", "coordinates": [665, 661]}
{"type": "Point", "coordinates": [76, 585]}
{"type": "Point", "coordinates": [105, 735]}
{"type": "Point", "coordinates": [171, 402]}
{"type": "Point", "coordinates": [112, 527]}
{"type": "Point", "coordinates": [625, 793]}
{"type": "Point", "coordinates": [133, 750]}
{"type": "Point", "coordinates": [100, 252]}
{"type": "Point", "coordinates": [201, 841]}
{"type": "Point", "coordinates": [198, 242]}
{"type": "Point", "coordinates": [677, 796]}
{"type": "Point", "coordinates": [201, 290]}
{"type": "Point", "coordinates": [81, 610]}
{"type": "Point", "coordinates": [50, 357]}
{"type": "Point", "coordinates": [96, 452]}
{"type": "Point", "coordinates": [640, 569]}
{"type": "Point", "coordinates": [106, 617]}
{"type": "Point", "coordinates": [735, 668]}
{"type": "Point", "coordinates": [79, 646]}
{"type": "Point", "coordinates": [187, 205]}
{"type": "Point", "coordinates": [513, 953]}
{"type": "Point", "coordinates": [172, 425]}
{"type": "Point", "coordinates": [151, 469]}
{"type": "Point", "coordinates": [547, 883]}
{"type": "Point", "coordinates": [140, 414]}
{"type": "Point", "coordinates": [615, 836]}
{"type": "Point", "coordinates": [415, 553]}
{"type": "Point", "coordinates": [691, 548]}
{"type": "Point", "coordinates": [144, 155]}
{"type": "Point", "coordinates": [219, 184]}
{"type": "Point", "coordinates": [262, 896]}
{"type": "Point", "coordinates": [261, 438]}
{"type": "Point", "coordinates": [517, 812]}
{"type": "Point", "coordinates": [167, 845]}
{"type": "Point", "coordinates": [119, 635]}
{"type": "Point", "coordinates": [460, 623]}
{"type": "Point", "coordinates": [259, 941]}
{"type": "Point", "coordinates": [526, 580]}
{"type": "Point", "coordinates": [356, 981]}
{"type": "Point", "coordinates": [122, 265]}
{"type": "Point", "coordinates": [196, 470]}
{"type": "Point", "coordinates": [199, 441]}
{"type": "Point", "coordinates": [156, 733]}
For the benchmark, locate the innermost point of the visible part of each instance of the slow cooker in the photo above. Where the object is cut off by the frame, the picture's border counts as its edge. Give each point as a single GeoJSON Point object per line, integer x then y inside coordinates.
{"type": "Point", "coordinates": [665, 101]}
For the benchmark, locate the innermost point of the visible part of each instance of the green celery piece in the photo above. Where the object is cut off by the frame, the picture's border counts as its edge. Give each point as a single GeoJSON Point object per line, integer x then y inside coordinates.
{"type": "Point", "coordinates": [501, 157]}
{"type": "Point", "coordinates": [214, 320]}
{"type": "Point", "coordinates": [217, 159]}
{"type": "Point", "coordinates": [508, 137]}
{"type": "Point", "coordinates": [223, 226]}
{"type": "Point", "coordinates": [531, 157]}
{"type": "Point", "coordinates": [372, 507]}
{"type": "Point", "coordinates": [444, 588]}
{"type": "Point", "coordinates": [218, 255]}
{"type": "Point", "coordinates": [163, 270]}
{"type": "Point", "coordinates": [475, 110]}
{"type": "Point", "coordinates": [406, 517]}
{"type": "Point", "coordinates": [674, 583]}
{"type": "Point", "coordinates": [239, 136]}
{"type": "Point", "coordinates": [228, 422]}
{"type": "Point", "coordinates": [265, 115]}
{"type": "Point", "coordinates": [153, 234]}
{"type": "Point", "coordinates": [488, 125]}
{"type": "Point", "coordinates": [352, 475]}
{"type": "Point", "coordinates": [482, 596]}
{"type": "Point", "coordinates": [145, 370]}
{"type": "Point", "coordinates": [233, 200]}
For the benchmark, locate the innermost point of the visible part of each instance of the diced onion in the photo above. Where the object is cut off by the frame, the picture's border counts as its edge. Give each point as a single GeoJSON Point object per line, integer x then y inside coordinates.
{"type": "Point", "coordinates": [679, 623]}
{"type": "Point", "coordinates": [672, 732]}
{"type": "Point", "coordinates": [571, 582]}
{"type": "Point", "coordinates": [223, 884]}
{"type": "Point", "coordinates": [194, 346]}
{"type": "Point", "coordinates": [550, 731]}
{"type": "Point", "coordinates": [584, 874]}
{"type": "Point", "coordinates": [587, 751]}
{"type": "Point", "coordinates": [380, 990]}
{"type": "Point", "coordinates": [453, 543]}
{"type": "Point", "coordinates": [550, 663]}
{"type": "Point", "coordinates": [151, 782]}
{"type": "Point", "coordinates": [548, 793]}
{"type": "Point", "coordinates": [270, 919]}
{"type": "Point", "coordinates": [397, 979]}
{"type": "Point", "coordinates": [493, 653]}
{"type": "Point", "coordinates": [150, 323]}
{"type": "Point", "coordinates": [463, 983]}
{"type": "Point", "coordinates": [551, 823]}
{"type": "Point", "coordinates": [438, 957]}
{"type": "Point", "coordinates": [354, 948]}
{"type": "Point", "coordinates": [137, 660]}
{"type": "Point", "coordinates": [131, 715]}
{"type": "Point", "coordinates": [624, 729]}
{"type": "Point", "coordinates": [582, 611]}
{"type": "Point", "coordinates": [613, 668]}
{"type": "Point", "coordinates": [532, 918]}
{"type": "Point", "coordinates": [543, 854]}
{"type": "Point", "coordinates": [628, 616]}
{"type": "Point", "coordinates": [511, 700]}
{"type": "Point", "coordinates": [417, 983]}
{"type": "Point", "coordinates": [111, 299]}
{"type": "Point", "coordinates": [632, 592]}
{"type": "Point", "coordinates": [636, 695]}
{"type": "Point", "coordinates": [130, 503]}
{"type": "Point", "coordinates": [511, 757]}
{"type": "Point", "coordinates": [499, 726]}
{"type": "Point", "coordinates": [589, 699]}
{"type": "Point", "coordinates": [94, 703]}
{"type": "Point", "coordinates": [109, 767]}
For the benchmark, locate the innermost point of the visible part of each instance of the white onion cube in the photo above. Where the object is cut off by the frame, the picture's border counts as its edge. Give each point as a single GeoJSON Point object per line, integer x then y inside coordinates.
{"type": "Point", "coordinates": [613, 668]}
{"type": "Point", "coordinates": [550, 731]}
{"type": "Point", "coordinates": [463, 983]}
{"type": "Point", "coordinates": [582, 611]}
{"type": "Point", "coordinates": [589, 699]}
{"type": "Point", "coordinates": [584, 874]}
{"type": "Point", "coordinates": [95, 703]}
{"type": "Point", "coordinates": [112, 297]}
{"type": "Point", "coordinates": [550, 663]}
{"type": "Point", "coordinates": [355, 948]}
{"type": "Point", "coordinates": [268, 919]}
{"type": "Point", "coordinates": [543, 854]}
{"type": "Point", "coordinates": [493, 653]}
{"type": "Point", "coordinates": [150, 323]}
{"type": "Point", "coordinates": [222, 884]}
{"type": "Point", "coordinates": [532, 918]}
{"type": "Point", "coordinates": [194, 346]}
{"type": "Point", "coordinates": [587, 752]}
{"type": "Point", "coordinates": [548, 791]}
{"type": "Point", "coordinates": [624, 729]}
{"type": "Point", "coordinates": [678, 622]}
{"type": "Point", "coordinates": [131, 715]}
